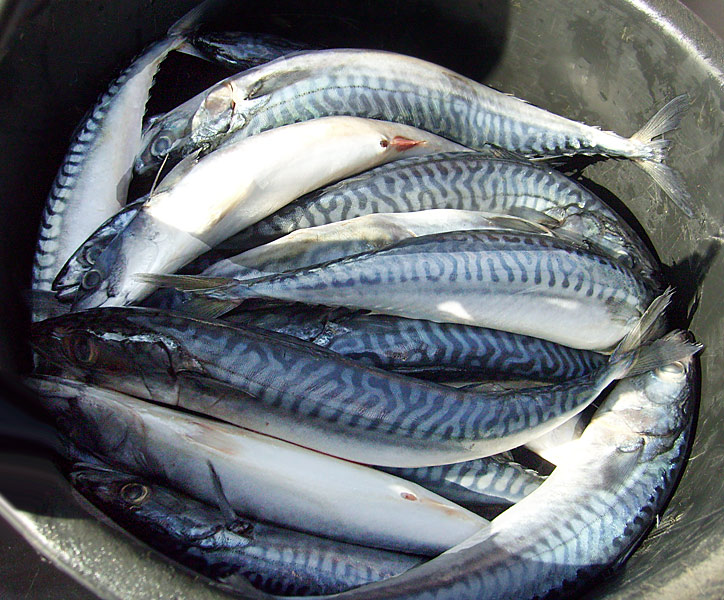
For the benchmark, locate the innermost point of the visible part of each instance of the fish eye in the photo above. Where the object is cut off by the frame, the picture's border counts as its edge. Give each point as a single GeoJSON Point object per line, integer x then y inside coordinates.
{"type": "Point", "coordinates": [135, 493]}
{"type": "Point", "coordinates": [673, 370]}
{"type": "Point", "coordinates": [81, 348]}
{"type": "Point", "coordinates": [92, 279]}
{"type": "Point", "coordinates": [161, 145]}
{"type": "Point", "coordinates": [90, 254]}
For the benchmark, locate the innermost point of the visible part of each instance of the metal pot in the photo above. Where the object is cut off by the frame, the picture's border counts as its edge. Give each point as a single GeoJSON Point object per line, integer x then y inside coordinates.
{"type": "Point", "coordinates": [608, 62]}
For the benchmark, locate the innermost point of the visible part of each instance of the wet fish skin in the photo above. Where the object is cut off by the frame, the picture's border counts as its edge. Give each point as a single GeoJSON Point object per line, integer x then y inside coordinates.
{"type": "Point", "coordinates": [274, 559]}
{"type": "Point", "coordinates": [476, 484]}
{"type": "Point", "coordinates": [297, 391]}
{"type": "Point", "coordinates": [415, 346]}
{"type": "Point", "coordinates": [316, 245]}
{"type": "Point", "coordinates": [395, 87]}
{"type": "Point", "coordinates": [467, 181]}
{"type": "Point", "coordinates": [586, 518]}
{"type": "Point", "coordinates": [519, 282]}
{"type": "Point", "coordinates": [92, 182]}
{"type": "Point", "coordinates": [182, 220]}
{"type": "Point", "coordinates": [264, 478]}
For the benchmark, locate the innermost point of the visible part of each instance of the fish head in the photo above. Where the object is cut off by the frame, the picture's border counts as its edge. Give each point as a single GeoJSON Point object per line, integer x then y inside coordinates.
{"type": "Point", "coordinates": [109, 486]}
{"type": "Point", "coordinates": [114, 348]}
{"type": "Point", "coordinates": [165, 136]}
{"type": "Point", "coordinates": [653, 408]}
{"type": "Point", "coordinates": [71, 276]}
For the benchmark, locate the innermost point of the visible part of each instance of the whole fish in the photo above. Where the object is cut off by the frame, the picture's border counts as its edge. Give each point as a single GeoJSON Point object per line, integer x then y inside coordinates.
{"type": "Point", "coordinates": [463, 181]}
{"type": "Point", "coordinates": [93, 180]}
{"type": "Point", "coordinates": [587, 517]}
{"type": "Point", "coordinates": [394, 87]}
{"type": "Point", "coordinates": [230, 549]}
{"type": "Point", "coordinates": [524, 283]}
{"type": "Point", "coordinates": [439, 350]}
{"type": "Point", "coordinates": [264, 478]}
{"type": "Point", "coordinates": [299, 392]}
{"type": "Point", "coordinates": [205, 200]}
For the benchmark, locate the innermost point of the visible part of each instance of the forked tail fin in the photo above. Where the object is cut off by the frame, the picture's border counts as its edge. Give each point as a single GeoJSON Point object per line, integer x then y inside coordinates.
{"type": "Point", "coordinates": [668, 179]}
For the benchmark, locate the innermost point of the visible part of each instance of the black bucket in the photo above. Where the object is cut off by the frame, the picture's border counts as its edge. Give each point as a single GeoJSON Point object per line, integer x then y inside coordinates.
{"type": "Point", "coordinates": [606, 62]}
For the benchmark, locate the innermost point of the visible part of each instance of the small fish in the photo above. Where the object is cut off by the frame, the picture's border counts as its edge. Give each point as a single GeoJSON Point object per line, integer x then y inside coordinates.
{"type": "Point", "coordinates": [386, 85]}
{"type": "Point", "coordinates": [587, 517]}
{"type": "Point", "coordinates": [205, 200]}
{"type": "Point", "coordinates": [264, 478]}
{"type": "Point", "coordinates": [230, 549]}
{"type": "Point", "coordinates": [519, 282]}
{"type": "Point", "coordinates": [93, 180]}
{"type": "Point", "coordinates": [296, 391]}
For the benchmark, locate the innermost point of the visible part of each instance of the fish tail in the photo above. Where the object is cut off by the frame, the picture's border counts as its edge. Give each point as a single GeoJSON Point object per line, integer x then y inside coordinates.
{"type": "Point", "coordinates": [668, 179]}
{"type": "Point", "coordinates": [637, 354]}
{"type": "Point", "coordinates": [192, 19]}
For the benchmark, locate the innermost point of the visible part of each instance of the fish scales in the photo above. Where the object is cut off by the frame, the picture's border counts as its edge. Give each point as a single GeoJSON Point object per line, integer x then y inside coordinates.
{"type": "Point", "coordinates": [515, 282]}
{"type": "Point", "coordinates": [281, 386]}
{"type": "Point", "coordinates": [463, 181]}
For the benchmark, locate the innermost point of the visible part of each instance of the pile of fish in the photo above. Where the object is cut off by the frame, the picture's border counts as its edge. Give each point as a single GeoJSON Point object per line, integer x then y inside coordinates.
{"type": "Point", "coordinates": [307, 359]}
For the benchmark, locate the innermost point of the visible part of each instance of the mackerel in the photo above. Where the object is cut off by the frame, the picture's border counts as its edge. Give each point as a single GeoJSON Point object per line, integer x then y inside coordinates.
{"type": "Point", "coordinates": [205, 200]}
{"type": "Point", "coordinates": [263, 478]}
{"type": "Point", "coordinates": [230, 549]}
{"type": "Point", "coordinates": [93, 180]}
{"type": "Point", "coordinates": [524, 283]}
{"type": "Point", "coordinates": [394, 87]}
{"type": "Point", "coordinates": [588, 516]}
{"type": "Point", "coordinates": [299, 392]}
{"type": "Point", "coordinates": [439, 350]}
{"type": "Point", "coordinates": [467, 181]}
{"type": "Point", "coordinates": [315, 245]}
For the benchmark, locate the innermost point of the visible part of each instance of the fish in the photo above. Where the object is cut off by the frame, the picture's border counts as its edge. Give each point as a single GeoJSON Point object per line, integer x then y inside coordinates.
{"type": "Point", "coordinates": [296, 391]}
{"type": "Point", "coordinates": [395, 87]}
{"type": "Point", "coordinates": [414, 346]}
{"type": "Point", "coordinates": [264, 478]}
{"type": "Point", "coordinates": [232, 549]}
{"type": "Point", "coordinates": [478, 181]}
{"type": "Point", "coordinates": [524, 283]}
{"type": "Point", "coordinates": [92, 182]}
{"type": "Point", "coordinates": [206, 199]}
{"type": "Point", "coordinates": [238, 50]}
{"type": "Point", "coordinates": [589, 515]}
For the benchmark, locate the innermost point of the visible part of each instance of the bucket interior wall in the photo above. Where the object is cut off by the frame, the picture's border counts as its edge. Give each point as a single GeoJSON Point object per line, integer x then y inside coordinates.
{"type": "Point", "coordinates": [607, 62]}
